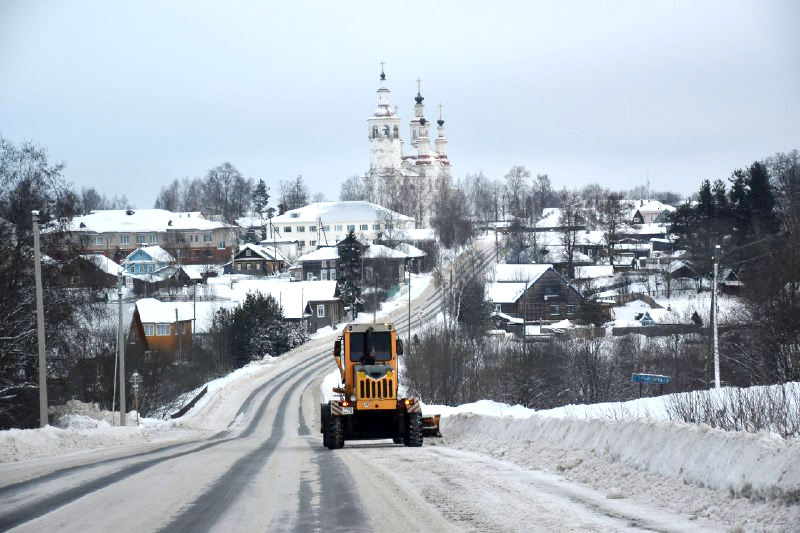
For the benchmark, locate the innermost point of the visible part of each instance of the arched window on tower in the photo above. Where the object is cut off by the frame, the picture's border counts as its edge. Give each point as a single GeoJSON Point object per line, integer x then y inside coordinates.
{"type": "Point", "coordinates": [386, 130]}
{"type": "Point", "coordinates": [374, 132]}
{"type": "Point", "coordinates": [396, 132]}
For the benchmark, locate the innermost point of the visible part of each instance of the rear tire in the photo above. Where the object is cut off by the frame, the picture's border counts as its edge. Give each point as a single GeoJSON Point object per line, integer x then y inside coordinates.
{"type": "Point", "coordinates": [413, 436]}
{"type": "Point", "coordinates": [335, 433]}
{"type": "Point", "coordinates": [326, 418]}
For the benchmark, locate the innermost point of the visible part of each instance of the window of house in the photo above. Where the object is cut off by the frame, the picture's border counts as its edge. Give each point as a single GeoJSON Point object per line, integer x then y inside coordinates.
{"type": "Point", "coordinates": [326, 228]}
{"type": "Point", "coordinates": [338, 227]}
{"type": "Point", "coordinates": [301, 229]}
{"type": "Point", "coordinates": [249, 265]}
{"type": "Point", "coordinates": [247, 252]}
{"type": "Point", "coordinates": [140, 239]}
{"type": "Point", "coordinates": [162, 330]}
{"type": "Point", "coordinates": [197, 238]}
{"type": "Point", "coordinates": [351, 227]}
{"type": "Point", "coordinates": [368, 273]}
{"type": "Point", "coordinates": [324, 264]}
{"type": "Point", "coordinates": [151, 268]}
{"type": "Point", "coordinates": [301, 244]}
{"type": "Point", "coordinates": [295, 215]}
{"type": "Point", "coordinates": [239, 267]}
{"type": "Point", "coordinates": [98, 240]}
{"type": "Point", "coordinates": [153, 238]}
{"type": "Point", "coordinates": [570, 309]}
{"type": "Point", "coordinates": [323, 274]}
{"type": "Point", "coordinates": [549, 289]}
{"type": "Point", "coordinates": [332, 274]}
{"type": "Point", "coordinates": [312, 228]}
{"type": "Point", "coordinates": [555, 310]}
{"type": "Point", "coordinates": [320, 310]}
{"type": "Point", "coordinates": [207, 237]}
{"type": "Point", "coordinates": [149, 329]}
{"type": "Point", "coordinates": [312, 243]}
{"type": "Point", "coordinates": [364, 227]}
{"type": "Point", "coordinates": [497, 308]}
{"type": "Point", "coordinates": [376, 227]}
{"type": "Point", "coordinates": [309, 276]}
{"type": "Point", "coordinates": [287, 229]}
{"type": "Point", "coordinates": [125, 239]}
{"type": "Point", "coordinates": [221, 245]}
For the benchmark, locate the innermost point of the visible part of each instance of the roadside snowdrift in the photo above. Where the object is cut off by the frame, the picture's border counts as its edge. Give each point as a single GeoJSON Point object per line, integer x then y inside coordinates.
{"type": "Point", "coordinates": [749, 465]}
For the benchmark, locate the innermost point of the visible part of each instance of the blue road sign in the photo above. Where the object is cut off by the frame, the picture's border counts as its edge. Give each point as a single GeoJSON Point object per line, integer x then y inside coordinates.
{"type": "Point", "coordinates": [650, 378]}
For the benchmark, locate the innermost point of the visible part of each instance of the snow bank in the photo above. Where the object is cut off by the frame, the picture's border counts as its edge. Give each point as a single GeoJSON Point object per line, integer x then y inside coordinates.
{"type": "Point", "coordinates": [745, 464]}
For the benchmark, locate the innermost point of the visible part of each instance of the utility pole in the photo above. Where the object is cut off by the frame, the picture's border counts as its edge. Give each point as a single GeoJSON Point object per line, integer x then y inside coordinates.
{"type": "Point", "coordinates": [408, 337]}
{"type": "Point", "coordinates": [178, 333]}
{"type": "Point", "coordinates": [714, 312]}
{"type": "Point", "coordinates": [121, 347]}
{"type": "Point", "coordinates": [37, 268]}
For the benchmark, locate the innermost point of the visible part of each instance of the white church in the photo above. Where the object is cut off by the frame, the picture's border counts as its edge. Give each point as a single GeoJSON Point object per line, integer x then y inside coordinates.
{"type": "Point", "coordinates": [423, 166]}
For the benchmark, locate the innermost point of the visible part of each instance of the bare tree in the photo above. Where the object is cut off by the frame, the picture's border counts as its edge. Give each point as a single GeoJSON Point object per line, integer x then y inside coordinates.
{"type": "Point", "coordinates": [569, 225]}
{"type": "Point", "coordinates": [516, 189]}
{"type": "Point", "coordinates": [611, 219]}
{"type": "Point", "coordinates": [294, 194]}
{"type": "Point", "coordinates": [353, 189]}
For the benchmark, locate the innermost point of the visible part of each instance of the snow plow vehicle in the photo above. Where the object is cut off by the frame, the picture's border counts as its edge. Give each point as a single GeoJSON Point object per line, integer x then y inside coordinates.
{"type": "Point", "coordinates": [367, 405]}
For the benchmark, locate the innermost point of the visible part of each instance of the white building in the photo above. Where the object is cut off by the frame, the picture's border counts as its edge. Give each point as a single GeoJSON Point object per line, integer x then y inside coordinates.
{"type": "Point", "coordinates": [330, 222]}
{"type": "Point", "coordinates": [422, 166]}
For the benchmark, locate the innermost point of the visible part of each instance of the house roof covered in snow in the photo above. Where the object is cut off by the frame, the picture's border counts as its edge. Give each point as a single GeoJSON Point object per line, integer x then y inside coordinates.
{"type": "Point", "coordinates": [505, 293]}
{"type": "Point", "coordinates": [155, 252]}
{"type": "Point", "coordinates": [593, 271]}
{"type": "Point", "coordinates": [143, 220]}
{"type": "Point", "coordinates": [326, 253]}
{"type": "Point", "coordinates": [265, 252]}
{"type": "Point", "coordinates": [155, 311]}
{"type": "Point", "coordinates": [413, 234]}
{"type": "Point", "coordinates": [292, 296]}
{"type": "Point", "coordinates": [379, 251]}
{"type": "Point", "coordinates": [340, 212]}
{"type": "Point", "coordinates": [410, 250]}
{"type": "Point", "coordinates": [103, 263]}
{"type": "Point", "coordinates": [525, 272]}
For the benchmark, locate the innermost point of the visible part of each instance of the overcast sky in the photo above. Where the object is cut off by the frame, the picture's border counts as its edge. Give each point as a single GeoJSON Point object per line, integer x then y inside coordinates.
{"type": "Point", "coordinates": [134, 94]}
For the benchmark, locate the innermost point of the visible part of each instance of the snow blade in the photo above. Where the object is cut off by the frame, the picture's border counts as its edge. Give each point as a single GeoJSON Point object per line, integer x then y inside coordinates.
{"type": "Point", "coordinates": [430, 426]}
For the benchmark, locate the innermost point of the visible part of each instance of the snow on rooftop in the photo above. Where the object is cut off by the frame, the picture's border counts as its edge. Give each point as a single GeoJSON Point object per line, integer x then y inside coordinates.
{"type": "Point", "coordinates": [593, 271]}
{"type": "Point", "coordinates": [266, 252]}
{"type": "Point", "coordinates": [525, 272]}
{"type": "Point", "coordinates": [142, 220]}
{"type": "Point", "coordinates": [153, 311]}
{"type": "Point", "coordinates": [326, 253]}
{"type": "Point", "coordinates": [505, 293]}
{"type": "Point", "coordinates": [378, 251]}
{"type": "Point", "coordinates": [410, 250]}
{"type": "Point", "coordinates": [292, 296]}
{"type": "Point", "coordinates": [340, 212]}
{"type": "Point", "coordinates": [103, 263]}
{"type": "Point", "coordinates": [156, 252]}
{"type": "Point", "coordinates": [414, 234]}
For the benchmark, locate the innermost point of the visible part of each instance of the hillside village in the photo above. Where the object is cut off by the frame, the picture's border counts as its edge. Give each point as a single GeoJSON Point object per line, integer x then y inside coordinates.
{"type": "Point", "coordinates": [581, 288]}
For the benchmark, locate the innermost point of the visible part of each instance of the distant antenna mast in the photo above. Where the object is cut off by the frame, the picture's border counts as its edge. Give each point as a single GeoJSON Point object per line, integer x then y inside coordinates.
{"type": "Point", "coordinates": [322, 229]}
{"type": "Point", "coordinates": [648, 185]}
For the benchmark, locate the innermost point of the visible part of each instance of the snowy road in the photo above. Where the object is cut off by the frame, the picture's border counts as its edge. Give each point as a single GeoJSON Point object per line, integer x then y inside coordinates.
{"type": "Point", "coordinates": [251, 459]}
{"type": "Point", "coordinates": [268, 471]}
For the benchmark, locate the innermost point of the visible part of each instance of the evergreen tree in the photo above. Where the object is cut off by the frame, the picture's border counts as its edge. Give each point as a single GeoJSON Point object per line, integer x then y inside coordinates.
{"type": "Point", "coordinates": [348, 274]}
{"type": "Point", "coordinates": [761, 198]}
{"type": "Point", "coordinates": [260, 203]}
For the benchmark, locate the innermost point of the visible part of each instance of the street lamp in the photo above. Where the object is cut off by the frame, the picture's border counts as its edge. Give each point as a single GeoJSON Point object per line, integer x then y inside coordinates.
{"type": "Point", "coordinates": [37, 267]}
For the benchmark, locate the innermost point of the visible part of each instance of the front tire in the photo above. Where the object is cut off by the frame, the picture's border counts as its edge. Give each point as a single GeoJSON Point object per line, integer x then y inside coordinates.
{"type": "Point", "coordinates": [335, 433]}
{"type": "Point", "coordinates": [413, 436]}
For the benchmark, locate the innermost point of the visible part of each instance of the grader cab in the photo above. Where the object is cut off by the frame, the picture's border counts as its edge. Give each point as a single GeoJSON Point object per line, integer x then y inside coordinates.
{"type": "Point", "coordinates": [367, 405]}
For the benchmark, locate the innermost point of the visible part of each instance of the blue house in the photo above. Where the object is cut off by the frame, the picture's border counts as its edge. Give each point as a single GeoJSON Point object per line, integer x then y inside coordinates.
{"type": "Point", "coordinates": [147, 260]}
